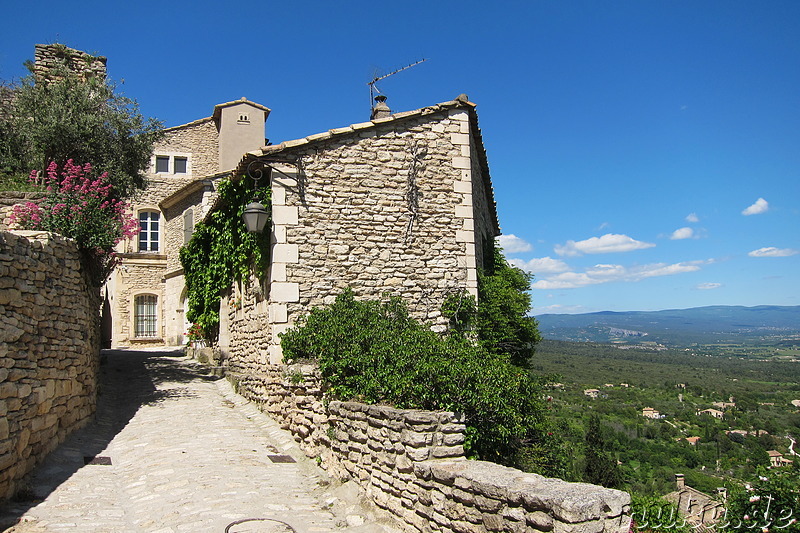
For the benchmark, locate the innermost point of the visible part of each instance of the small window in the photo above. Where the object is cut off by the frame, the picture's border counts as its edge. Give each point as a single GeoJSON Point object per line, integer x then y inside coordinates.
{"type": "Point", "coordinates": [162, 163]}
{"type": "Point", "coordinates": [180, 165]}
{"type": "Point", "coordinates": [148, 231]}
{"type": "Point", "coordinates": [188, 225]}
{"type": "Point", "coordinates": [144, 317]}
{"type": "Point", "coordinates": [244, 117]}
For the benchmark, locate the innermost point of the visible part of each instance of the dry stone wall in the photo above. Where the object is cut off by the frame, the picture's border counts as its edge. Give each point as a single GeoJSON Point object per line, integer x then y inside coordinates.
{"type": "Point", "coordinates": [8, 199]}
{"type": "Point", "coordinates": [50, 57]}
{"type": "Point", "coordinates": [49, 349]}
{"type": "Point", "coordinates": [412, 464]}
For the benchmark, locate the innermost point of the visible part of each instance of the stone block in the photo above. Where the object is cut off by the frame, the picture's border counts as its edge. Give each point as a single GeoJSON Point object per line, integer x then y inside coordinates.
{"type": "Point", "coordinates": [285, 253]}
{"type": "Point", "coordinates": [462, 162]}
{"type": "Point", "coordinates": [285, 215]}
{"type": "Point", "coordinates": [277, 272]}
{"type": "Point", "coordinates": [464, 211]}
{"type": "Point", "coordinates": [278, 313]}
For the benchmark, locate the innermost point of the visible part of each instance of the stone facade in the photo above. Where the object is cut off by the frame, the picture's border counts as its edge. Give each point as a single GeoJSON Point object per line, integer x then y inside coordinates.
{"type": "Point", "coordinates": [185, 167]}
{"type": "Point", "coordinates": [411, 463]}
{"type": "Point", "coordinates": [398, 205]}
{"type": "Point", "coordinates": [49, 349]}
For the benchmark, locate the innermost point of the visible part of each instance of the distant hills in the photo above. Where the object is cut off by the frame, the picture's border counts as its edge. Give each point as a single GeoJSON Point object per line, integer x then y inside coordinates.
{"type": "Point", "coordinates": [676, 327]}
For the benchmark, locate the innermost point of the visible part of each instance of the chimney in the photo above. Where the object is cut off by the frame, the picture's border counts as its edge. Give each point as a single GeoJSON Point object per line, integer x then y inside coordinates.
{"type": "Point", "coordinates": [679, 481]}
{"type": "Point", "coordinates": [380, 109]}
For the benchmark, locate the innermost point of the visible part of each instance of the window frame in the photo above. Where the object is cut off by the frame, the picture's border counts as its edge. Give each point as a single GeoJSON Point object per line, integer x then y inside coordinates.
{"type": "Point", "coordinates": [151, 246]}
{"type": "Point", "coordinates": [171, 157]}
{"type": "Point", "coordinates": [145, 323]}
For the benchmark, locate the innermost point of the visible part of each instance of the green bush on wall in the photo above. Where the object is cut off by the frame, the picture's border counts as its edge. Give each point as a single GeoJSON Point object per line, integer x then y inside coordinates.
{"type": "Point", "coordinates": [375, 353]}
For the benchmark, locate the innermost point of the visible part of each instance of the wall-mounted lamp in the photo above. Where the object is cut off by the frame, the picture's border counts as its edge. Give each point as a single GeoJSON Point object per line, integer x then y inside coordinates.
{"type": "Point", "coordinates": [255, 215]}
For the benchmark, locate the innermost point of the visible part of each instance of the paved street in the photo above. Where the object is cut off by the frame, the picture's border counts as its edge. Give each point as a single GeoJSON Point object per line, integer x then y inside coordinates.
{"type": "Point", "coordinates": [174, 450]}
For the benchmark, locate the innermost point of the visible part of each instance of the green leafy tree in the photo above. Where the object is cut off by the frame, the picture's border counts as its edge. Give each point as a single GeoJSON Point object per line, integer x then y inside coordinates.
{"type": "Point", "coordinates": [500, 319]}
{"type": "Point", "coordinates": [651, 513]}
{"type": "Point", "coordinates": [770, 502]}
{"type": "Point", "coordinates": [78, 118]}
{"type": "Point", "coordinates": [503, 324]}
{"type": "Point", "coordinates": [601, 468]}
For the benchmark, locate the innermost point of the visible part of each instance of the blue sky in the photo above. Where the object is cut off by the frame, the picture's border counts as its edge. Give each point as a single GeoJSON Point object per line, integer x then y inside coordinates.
{"type": "Point", "coordinates": [645, 154]}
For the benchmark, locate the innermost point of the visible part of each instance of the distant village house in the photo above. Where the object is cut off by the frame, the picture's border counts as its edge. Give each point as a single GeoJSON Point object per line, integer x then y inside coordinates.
{"type": "Point", "coordinates": [712, 412]}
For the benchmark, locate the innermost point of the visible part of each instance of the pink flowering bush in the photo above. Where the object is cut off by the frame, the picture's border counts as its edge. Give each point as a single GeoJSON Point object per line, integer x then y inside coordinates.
{"type": "Point", "coordinates": [82, 208]}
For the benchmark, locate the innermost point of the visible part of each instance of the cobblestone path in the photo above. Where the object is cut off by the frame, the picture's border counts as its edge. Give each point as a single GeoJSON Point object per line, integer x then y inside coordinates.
{"type": "Point", "coordinates": [174, 450]}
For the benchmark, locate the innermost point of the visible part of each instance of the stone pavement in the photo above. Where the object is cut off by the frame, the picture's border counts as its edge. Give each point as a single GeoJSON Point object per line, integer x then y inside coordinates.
{"type": "Point", "coordinates": [175, 450]}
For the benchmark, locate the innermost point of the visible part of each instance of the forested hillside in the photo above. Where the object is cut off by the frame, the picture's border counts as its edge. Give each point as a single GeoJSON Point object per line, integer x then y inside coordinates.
{"type": "Point", "coordinates": [756, 395]}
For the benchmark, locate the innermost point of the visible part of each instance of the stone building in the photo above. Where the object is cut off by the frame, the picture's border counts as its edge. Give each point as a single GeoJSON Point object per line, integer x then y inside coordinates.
{"type": "Point", "coordinates": [145, 297]}
{"type": "Point", "coordinates": [402, 204]}
{"type": "Point", "coordinates": [697, 508]}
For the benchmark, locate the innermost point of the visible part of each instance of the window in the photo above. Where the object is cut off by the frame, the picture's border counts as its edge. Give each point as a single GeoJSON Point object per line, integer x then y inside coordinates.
{"type": "Point", "coordinates": [162, 163]}
{"type": "Point", "coordinates": [144, 317]}
{"type": "Point", "coordinates": [148, 231]}
{"type": "Point", "coordinates": [244, 118]}
{"type": "Point", "coordinates": [188, 225]}
{"type": "Point", "coordinates": [180, 165]}
{"type": "Point", "coordinates": [175, 163]}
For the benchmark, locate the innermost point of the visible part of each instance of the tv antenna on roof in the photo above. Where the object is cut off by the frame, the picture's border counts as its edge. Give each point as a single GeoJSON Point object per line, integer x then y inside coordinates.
{"type": "Point", "coordinates": [374, 88]}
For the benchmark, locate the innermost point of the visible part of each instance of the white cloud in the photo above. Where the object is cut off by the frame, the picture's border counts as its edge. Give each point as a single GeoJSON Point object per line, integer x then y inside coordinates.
{"type": "Point", "coordinates": [761, 206]}
{"type": "Point", "coordinates": [682, 233]}
{"type": "Point", "coordinates": [608, 243]}
{"type": "Point", "coordinates": [604, 273]}
{"type": "Point", "coordinates": [693, 218]}
{"type": "Point", "coordinates": [512, 244]}
{"type": "Point", "coordinates": [708, 286]}
{"type": "Point", "coordinates": [541, 265]}
{"type": "Point", "coordinates": [771, 251]}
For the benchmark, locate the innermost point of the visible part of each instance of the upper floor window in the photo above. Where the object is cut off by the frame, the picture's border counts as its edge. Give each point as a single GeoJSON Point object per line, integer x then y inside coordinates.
{"type": "Point", "coordinates": [172, 164]}
{"type": "Point", "coordinates": [162, 163]}
{"type": "Point", "coordinates": [180, 165]}
{"type": "Point", "coordinates": [149, 230]}
{"type": "Point", "coordinates": [244, 118]}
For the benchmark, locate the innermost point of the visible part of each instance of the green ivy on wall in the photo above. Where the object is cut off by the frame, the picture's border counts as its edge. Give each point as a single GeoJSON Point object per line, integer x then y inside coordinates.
{"type": "Point", "coordinates": [221, 251]}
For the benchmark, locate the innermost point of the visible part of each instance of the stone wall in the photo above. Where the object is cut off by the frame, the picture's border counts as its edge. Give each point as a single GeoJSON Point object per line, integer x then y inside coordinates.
{"type": "Point", "coordinates": [412, 464]}
{"type": "Point", "coordinates": [137, 274]}
{"type": "Point", "coordinates": [49, 349]}
{"type": "Point", "coordinates": [50, 57]}
{"type": "Point", "coordinates": [384, 208]}
{"type": "Point", "coordinates": [8, 199]}
{"type": "Point", "coordinates": [199, 140]}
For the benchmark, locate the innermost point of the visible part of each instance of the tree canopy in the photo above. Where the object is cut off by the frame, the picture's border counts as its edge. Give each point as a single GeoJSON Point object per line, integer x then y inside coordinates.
{"type": "Point", "coordinates": [79, 118]}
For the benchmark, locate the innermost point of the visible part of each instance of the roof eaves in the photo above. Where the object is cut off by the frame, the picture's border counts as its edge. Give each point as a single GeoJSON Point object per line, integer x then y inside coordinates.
{"type": "Point", "coordinates": [189, 124]}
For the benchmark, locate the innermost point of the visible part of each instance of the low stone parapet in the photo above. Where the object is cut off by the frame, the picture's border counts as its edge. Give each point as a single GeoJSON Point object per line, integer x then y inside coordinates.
{"type": "Point", "coordinates": [411, 463]}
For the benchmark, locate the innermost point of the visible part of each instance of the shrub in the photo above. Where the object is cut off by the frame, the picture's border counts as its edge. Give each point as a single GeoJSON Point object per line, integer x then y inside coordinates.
{"type": "Point", "coordinates": [374, 352]}
{"type": "Point", "coordinates": [80, 207]}
{"type": "Point", "coordinates": [770, 502]}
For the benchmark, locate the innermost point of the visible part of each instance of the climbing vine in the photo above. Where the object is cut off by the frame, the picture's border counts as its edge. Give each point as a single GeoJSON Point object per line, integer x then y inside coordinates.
{"type": "Point", "coordinates": [221, 251]}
